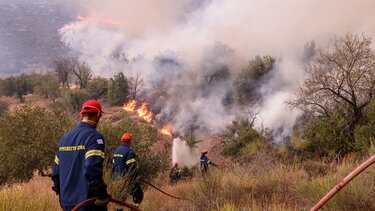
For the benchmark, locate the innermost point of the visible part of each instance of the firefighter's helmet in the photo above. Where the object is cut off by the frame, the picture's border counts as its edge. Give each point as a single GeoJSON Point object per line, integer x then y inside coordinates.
{"type": "Point", "coordinates": [126, 137]}
{"type": "Point", "coordinates": [204, 151]}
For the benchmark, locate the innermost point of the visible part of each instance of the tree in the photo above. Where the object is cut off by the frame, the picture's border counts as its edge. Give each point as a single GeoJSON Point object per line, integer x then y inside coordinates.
{"type": "Point", "coordinates": [118, 89]}
{"type": "Point", "coordinates": [81, 71]}
{"type": "Point", "coordinates": [97, 88]}
{"type": "Point", "coordinates": [215, 63]}
{"type": "Point", "coordinates": [22, 86]}
{"type": "Point", "coordinates": [73, 66]}
{"type": "Point", "coordinates": [28, 141]}
{"type": "Point", "coordinates": [248, 80]}
{"type": "Point", "coordinates": [47, 85]}
{"type": "Point", "coordinates": [135, 86]}
{"type": "Point", "coordinates": [62, 70]}
{"type": "Point", "coordinates": [8, 86]}
{"type": "Point", "coordinates": [339, 80]}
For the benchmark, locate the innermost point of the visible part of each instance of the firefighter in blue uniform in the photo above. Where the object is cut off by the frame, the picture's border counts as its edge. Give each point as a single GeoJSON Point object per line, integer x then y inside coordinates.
{"type": "Point", "coordinates": [125, 167]}
{"type": "Point", "coordinates": [204, 162]}
{"type": "Point", "coordinates": [78, 168]}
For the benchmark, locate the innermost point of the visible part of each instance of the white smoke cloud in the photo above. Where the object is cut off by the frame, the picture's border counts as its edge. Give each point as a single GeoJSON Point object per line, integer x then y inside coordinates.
{"type": "Point", "coordinates": [249, 27]}
{"type": "Point", "coordinates": [183, 154]}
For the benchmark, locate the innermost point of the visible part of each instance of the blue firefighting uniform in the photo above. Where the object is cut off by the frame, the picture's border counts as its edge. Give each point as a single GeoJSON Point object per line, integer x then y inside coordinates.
{"type": "Point", "coordinates": [78, 166]}
{"type": "Point", "coordinates": [125, 165]}
{"type": "Point", "coordinates": [204, 163]}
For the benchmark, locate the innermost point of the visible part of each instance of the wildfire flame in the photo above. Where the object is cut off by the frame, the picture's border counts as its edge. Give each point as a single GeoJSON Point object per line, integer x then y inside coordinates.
{"type": "Point", "coordinates": [143, 112]}
{"type": "Point", "coordinates": [166, 130]}
{"type": "Point", "coordinates": [105, 21]}
{"type": "Point", "coordinates": [84, 21]}
{"type": "Point", "coordinates": [130, 106]}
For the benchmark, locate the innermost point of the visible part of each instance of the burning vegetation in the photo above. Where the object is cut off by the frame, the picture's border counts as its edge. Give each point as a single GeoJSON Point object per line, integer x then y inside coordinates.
{"type": "Point", "coordinates": [146, 114]}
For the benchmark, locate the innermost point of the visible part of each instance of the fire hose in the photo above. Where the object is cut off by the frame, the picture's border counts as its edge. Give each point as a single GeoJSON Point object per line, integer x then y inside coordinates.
{"type": "Point", "coordinates": [158, 189]}
{"type": "Point", "coordinates": [92, 200]}
{"type": "Point", "coordinates": [343, 182]}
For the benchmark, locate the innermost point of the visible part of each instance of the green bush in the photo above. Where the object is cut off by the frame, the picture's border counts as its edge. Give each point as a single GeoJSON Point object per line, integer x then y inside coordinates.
{"type": "Point", "coordinates": [75, 98]}
{"type": "Point", "coordinates": [247, 140]}
{"type": "Point", "coordinates": [328, 136]}
{"type": "Point", "coordinates": [365, 134]}
{"type": "Point", "coordinates": [28, 141]}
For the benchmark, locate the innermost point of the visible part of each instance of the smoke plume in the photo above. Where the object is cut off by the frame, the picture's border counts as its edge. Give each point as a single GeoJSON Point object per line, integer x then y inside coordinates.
{"type": "Point", "coordinates": [171, 43]}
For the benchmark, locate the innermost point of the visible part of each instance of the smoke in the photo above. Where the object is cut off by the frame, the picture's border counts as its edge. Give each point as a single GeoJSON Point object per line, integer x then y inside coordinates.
{"type": "Point", "coordinates": [183, 154]}
{"type": "Point", "coordinates": [168, 43]}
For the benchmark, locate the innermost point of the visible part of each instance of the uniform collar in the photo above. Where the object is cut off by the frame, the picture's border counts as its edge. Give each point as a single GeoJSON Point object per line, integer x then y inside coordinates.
{"type": "Point", "coordinates": [85, 124]}
{"type": "Point", "coordinates": [126, 145]}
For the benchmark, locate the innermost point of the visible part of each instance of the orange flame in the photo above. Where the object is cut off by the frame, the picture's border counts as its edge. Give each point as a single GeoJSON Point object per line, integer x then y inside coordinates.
{"type": "Point", "coordinates": [130, 106]}
{"type": "Point", "coordinates": [142, 112]}
{"type": "Point", "coordinates": [105, 21]}
{"type": "Point", "coordinates": [166, 130]}
{"type": "Point", "coordinates": [145, 113]}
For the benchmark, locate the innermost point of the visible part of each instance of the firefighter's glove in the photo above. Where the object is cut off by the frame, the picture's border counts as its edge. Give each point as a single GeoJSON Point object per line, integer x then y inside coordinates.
{"type": "Point", "coordinates": [102, 200]}
{"type": "Point", "coordinates": [102, 196]}
{"type": "Point", "coordinates": [56, 189]}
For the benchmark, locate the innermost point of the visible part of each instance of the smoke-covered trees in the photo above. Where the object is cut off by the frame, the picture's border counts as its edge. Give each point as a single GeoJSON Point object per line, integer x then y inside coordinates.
{"type": "Point", "coordinates": [118, 89]}
{"type": "Point", "coordinates": [62, 71]}
{"type": "Point", "coordinates": [247, 81]}
{"type": "Point", "coordinates": [340, 81]}
{"type": "Point", "coordinates": [66, 67]}
{"type": "Point", "coordinates": [135, 86]}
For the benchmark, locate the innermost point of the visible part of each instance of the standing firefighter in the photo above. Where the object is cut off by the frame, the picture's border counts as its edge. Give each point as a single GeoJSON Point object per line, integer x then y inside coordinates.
{"type": "Point", "coordinates": [78, 169]}
{"type": "Point", "coordinates": [205, 161]}
{"type": "Point", "coordinates": [174, 174]}
{"type": "Point", "coordinates": [125, 169]}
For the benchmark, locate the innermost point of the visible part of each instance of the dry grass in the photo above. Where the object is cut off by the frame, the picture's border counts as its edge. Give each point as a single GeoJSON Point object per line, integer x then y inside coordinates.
{"type": "Point", "coordinates": [35, 195]}
{"type": "Point", "coordinates": [283, 187]}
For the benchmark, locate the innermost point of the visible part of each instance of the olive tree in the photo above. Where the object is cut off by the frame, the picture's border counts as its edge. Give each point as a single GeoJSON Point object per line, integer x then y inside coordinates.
{"type": "Point", "coordinates": [28, 141]}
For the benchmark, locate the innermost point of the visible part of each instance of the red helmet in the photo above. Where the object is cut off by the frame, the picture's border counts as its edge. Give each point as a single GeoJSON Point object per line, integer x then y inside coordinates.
{"type": "Point", "coordinates": [204, 151]}
{"type": "Point", "coordinates": [126, 137]}
{"type": "Point", "coordinates": [91, 106]}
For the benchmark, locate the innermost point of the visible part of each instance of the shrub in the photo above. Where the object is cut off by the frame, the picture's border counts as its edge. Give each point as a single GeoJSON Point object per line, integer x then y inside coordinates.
{"type": "Point", "coordinates": [328, 136]}
{"type": "Point", "coordinates": [28, 141]}
{"type": "Point", "coordinates": [248, 139]}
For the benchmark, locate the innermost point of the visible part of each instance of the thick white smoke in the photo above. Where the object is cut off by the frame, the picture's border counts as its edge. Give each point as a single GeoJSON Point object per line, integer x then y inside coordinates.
{"type": "Point", "coordinates": [187, 28]}
{"type": "Point", "coordinates": [182, 154]}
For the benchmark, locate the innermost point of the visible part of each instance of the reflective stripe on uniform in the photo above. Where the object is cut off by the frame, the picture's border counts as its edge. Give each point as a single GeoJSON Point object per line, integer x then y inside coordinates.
{"type": "Point", "coordinates": [136, 204]}
{"type": "Point", "coordinates": [130, 161]}
{"type": "Point", "coordinates": [94, 152]}
{"type": "Point", "coordinates": [56, 160]}
{"type": "Point", "coordinates": [118, 155]}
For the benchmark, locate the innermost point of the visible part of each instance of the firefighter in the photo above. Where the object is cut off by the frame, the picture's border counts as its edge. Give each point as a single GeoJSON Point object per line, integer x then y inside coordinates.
{"type": "Point", "coordinates": [174, 174]}
{"type": "Point", "coordinates": [125, 167]}
{"type": "Point", "coordinates": [78, 168]}
{"type": "Point", "coordinates": [205, 161]}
